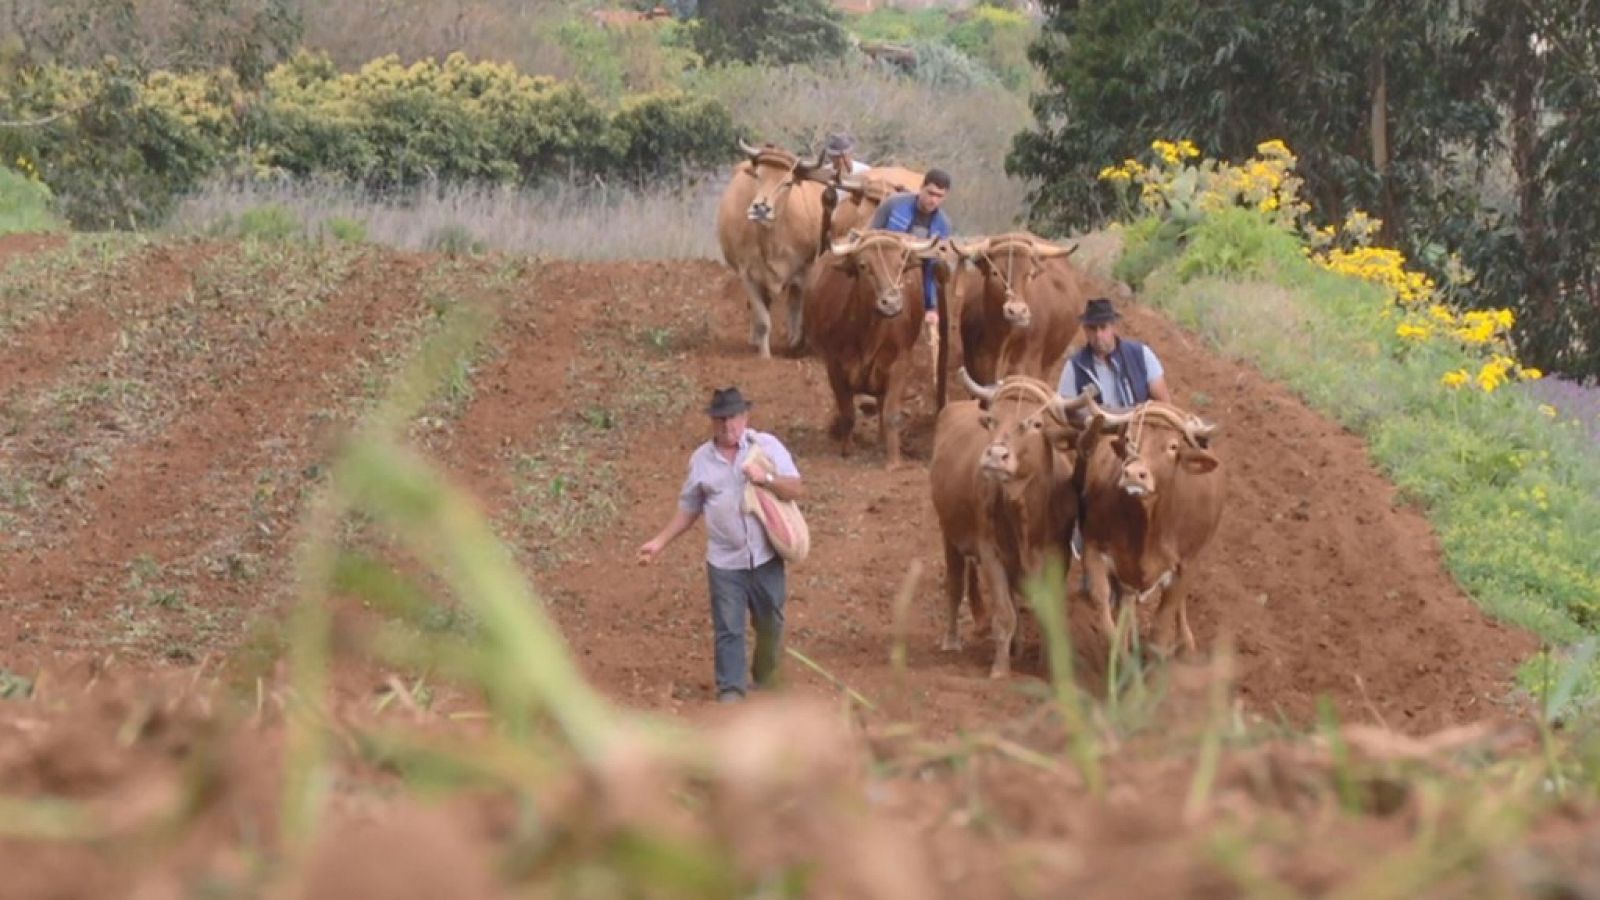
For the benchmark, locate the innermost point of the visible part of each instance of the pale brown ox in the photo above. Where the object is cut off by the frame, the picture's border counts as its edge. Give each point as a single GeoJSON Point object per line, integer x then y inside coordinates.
{"type": "Point", "coordinates": [1018, 302]}
{"type": "Point", "coordinates": [1153, 496]}
{"type": "Point", "coordinates": [768, 223]}
{"type": "Point", "coordinates": [859, 197]}
{"type": "Point", "coordinates": [863, 317]}
{"type": "Point", "coordinates": [1002, 479]}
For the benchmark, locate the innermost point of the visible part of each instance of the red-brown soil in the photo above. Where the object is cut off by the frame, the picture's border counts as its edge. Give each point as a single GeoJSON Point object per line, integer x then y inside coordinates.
{"type": "Point", "coordinates": [1322, 581]}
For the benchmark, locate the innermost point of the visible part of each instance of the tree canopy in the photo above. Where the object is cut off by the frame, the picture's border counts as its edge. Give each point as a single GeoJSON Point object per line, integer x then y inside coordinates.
{"type": "Point", "coordinates": [1467, 126]}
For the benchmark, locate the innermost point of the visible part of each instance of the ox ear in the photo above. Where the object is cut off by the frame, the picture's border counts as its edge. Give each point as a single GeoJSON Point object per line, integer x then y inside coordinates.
{"type": "Point", "coordinates": [1119, 445]}
{"type": "Point", "coordinates": [848, 265]}
{"type": "Point", "coordinates": [1197, 461]}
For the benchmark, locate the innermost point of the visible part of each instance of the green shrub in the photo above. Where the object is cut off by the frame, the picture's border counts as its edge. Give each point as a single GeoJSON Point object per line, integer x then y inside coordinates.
{"type": "Point", "coordinates": [269, 222]}
{"type": "Point", "coordinates": [111, 153]}
{"type": "Point", "coordinates": [774, 32]}
{"type": "Point", "coordinates": [24, 204]}
{"type": "Point", "coordinates": [662, 134]}
{"type": "Point", "coordinates": [1146, 244]}
{"type": "Point", "coordinates": [1235, 243]}
{"type": "Point", "coordinates": [998, 39]}
{"type": "Point", "coordinates": [345, 229]}
{"type": "Point", "coordinates": [454, 239]}
{"type": "Point", "coordinates": [943, 66]}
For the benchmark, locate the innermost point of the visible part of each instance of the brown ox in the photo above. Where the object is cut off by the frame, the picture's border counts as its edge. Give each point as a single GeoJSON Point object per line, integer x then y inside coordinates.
{"type": "Point", "coordinates": [1003, 489]}
{"type": "Point", "coordinates": [1018, 302]}
{"type": "Point", "coordinates": [863, 317]}
{"type": "Point", "coordinates": [767, 223]}
{"type": "Point", "coordinates": [1152, 500]}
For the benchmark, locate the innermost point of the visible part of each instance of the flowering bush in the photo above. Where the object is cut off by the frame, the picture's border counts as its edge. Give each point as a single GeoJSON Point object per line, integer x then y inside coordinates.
{"type": "Point", "coordinates": [1507, 478]}
{"type": "Point", "coordinates": [1181, 189]}
{"type": "Point", "coordinates": [117, 149]}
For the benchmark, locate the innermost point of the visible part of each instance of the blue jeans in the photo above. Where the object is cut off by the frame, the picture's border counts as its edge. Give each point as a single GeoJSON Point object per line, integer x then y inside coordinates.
{"type": "Point", "coordinates": [734, 592]}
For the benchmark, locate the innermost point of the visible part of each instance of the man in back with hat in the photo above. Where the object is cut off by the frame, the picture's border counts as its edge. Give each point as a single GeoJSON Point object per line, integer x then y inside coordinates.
{"type": "Point", "coordinates": [840, 152]}
{"type": "Point", "coordinates": [1126, 371]}
{"type": "Point", "coordinates": [745, 573]}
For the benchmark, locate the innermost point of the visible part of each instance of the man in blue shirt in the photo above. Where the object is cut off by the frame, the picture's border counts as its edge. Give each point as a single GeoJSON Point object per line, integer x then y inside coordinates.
{"type": "Point", "coordinates": [919, 214]}
{"type": "Point", "coordinates": [1126, 371]}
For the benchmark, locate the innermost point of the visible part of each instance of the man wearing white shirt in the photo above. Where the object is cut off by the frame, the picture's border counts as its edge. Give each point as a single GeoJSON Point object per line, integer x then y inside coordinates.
{"type": "Point", "coordinates": [840, 151]}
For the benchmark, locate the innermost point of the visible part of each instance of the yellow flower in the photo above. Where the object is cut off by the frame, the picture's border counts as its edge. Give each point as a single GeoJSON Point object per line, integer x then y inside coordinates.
{"type": "Point", "coordinates": [1455, 379]}
{"type": "Point", "coordinates": [1410, 332]}
{"type": "Point", "coordinates": [1493, 373]}
{"type": "Point", "coordinates": [1548, 410]}
{"type": "Point", "coordinates": [1529, 374]}
{"type": "Point", "coordinates": [1187, 149]}
{"type": "Point", "coordinates": [1115, 174]}
{"type": "Point", "coordinates": [1167, 150]}
{"type": "Point", "coordinates": [1274, 149]}
{"type": "Point", "coordinates": [1442, 314]}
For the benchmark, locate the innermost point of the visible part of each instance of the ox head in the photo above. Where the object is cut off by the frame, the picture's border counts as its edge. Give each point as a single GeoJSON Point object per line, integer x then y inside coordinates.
{"type": "Point", "coordinates": [886, 261]}
{"type": "Point", "coordinates": [1008, 263]}
{"type": "Point", "coordinates": [1026, 421]}
{"type": "Point", "coordinates": [1154, 443]}
{"type": "Point", "coordinates": [776, 172]}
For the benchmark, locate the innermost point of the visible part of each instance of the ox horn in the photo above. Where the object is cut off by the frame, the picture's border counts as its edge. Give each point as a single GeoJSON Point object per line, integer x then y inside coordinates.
{"type": "Point", "coordinates": [1072, 404]}
{"type": "Point", "coordinates": [976, 389]}
{"type": "Point", "coordinates": [1198, 431]}
{"type": "Point", "coordinates": [1047, 250]}
{"type": "Point", "coordinates": [923, 247]}
{"type": "Point", "coordinates": [970, 252]}
{"type": "Point", "coordinates": [849, 245]}
{"type": "Point", "coordinates": [1110, 421]}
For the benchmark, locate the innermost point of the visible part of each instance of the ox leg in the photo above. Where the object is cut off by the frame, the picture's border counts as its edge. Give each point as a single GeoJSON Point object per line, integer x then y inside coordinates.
{"type": "Point", "coordinates": [891, 414]}
{"type": "Point", "coordinates": [981, 614]}
{"type": "Point", "coordinates": [1097, 573]}
{"type": "Point", "coordinates": [760, 317]}
{"type": "Point", "coordinates": [955, 583]}
{"type": "Point", "coordinates": [1172, 616]}
{"type": "Point", "coordinates": [843, 428]}
{"type": "Point", "coordinates": [797, 309]}
{"type": "Point", "coordinates": [1003, 624]}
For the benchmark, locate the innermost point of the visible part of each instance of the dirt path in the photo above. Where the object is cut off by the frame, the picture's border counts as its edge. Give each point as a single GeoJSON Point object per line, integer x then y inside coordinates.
{"type": "Point", "coordinates": [1324, 583]}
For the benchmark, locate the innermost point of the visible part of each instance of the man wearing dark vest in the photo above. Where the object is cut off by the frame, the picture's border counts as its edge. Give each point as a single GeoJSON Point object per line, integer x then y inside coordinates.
{"type": "Point", "coordinates": [1126, 371]}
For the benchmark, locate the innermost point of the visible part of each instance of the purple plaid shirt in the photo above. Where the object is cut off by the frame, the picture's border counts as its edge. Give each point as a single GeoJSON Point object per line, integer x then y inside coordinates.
{"type": "Point", "coordinates": [715, 488]}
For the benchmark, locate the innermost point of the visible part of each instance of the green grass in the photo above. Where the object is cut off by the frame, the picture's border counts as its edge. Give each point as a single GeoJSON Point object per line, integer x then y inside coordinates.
{"type": "Point", "coordinates": [1514, 497]}
{"type": "Point", "coordinates": [25, 205]}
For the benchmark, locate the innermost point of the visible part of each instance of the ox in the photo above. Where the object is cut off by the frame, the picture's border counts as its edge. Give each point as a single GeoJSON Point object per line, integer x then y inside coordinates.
{"type": "Point", "coordinates": [858, 198]}
{"type": "Point", "coordinates": [863, 317]}
{"type": "Point", "coordinates": [1152, 499]}
{"type": "Point", "coordinates": [767, 223]}
{"type": "Point", "coordinates": [1003, 489]}
{"type": "Point", "coordinates": [1018, 305]}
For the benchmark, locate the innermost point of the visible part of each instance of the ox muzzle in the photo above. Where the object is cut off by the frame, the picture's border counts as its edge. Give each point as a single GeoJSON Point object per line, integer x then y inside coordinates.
{"type": "Point", "coordinates": [1017, 313]}
{"type": "Point", "coordinates": [998, 462]}
{"type": "Point", "coordinates": [761, 212]}
{"type": "Point", "coordinates": [1137, 479]}
{"type": "Point", "coordinates": [890, 302]}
